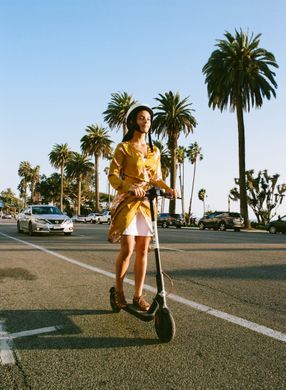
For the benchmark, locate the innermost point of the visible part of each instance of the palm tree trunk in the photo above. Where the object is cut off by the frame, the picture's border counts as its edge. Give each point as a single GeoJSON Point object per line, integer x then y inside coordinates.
{"type": "Point", "coordinates": [192, 190]}
{"type": "Point", "coordinates": [241, 153]}
{"type": "Point", "coordinates": [173, 173]}
{"type": "Point", "coordinates": [181, 177]}
{"type": "Point", "coordinates": [62, 188]}
{"type": "Point", "coordinates": [96, 183]}
{"type": "Point", "coordinates": [78, 195]}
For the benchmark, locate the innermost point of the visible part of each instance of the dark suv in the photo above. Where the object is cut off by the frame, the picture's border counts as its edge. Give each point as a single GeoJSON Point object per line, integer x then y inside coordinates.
{"type": "Point", "coordinates": [166, 219]}
{"type": "Point", "coordinates": [221, 220]}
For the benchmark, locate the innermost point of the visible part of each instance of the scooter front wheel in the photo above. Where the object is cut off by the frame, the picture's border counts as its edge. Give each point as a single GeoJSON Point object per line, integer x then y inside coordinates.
{"type": "Point", "coordinates": [165, 325]}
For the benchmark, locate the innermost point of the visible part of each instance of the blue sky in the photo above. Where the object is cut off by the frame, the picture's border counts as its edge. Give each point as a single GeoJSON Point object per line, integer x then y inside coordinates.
{"type": "Point", "coordinates": [61, 61]}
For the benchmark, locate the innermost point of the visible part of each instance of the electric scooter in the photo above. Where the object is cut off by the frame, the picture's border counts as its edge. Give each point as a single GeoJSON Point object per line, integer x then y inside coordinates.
{"type": "Point", "coordinates": [164, 322]}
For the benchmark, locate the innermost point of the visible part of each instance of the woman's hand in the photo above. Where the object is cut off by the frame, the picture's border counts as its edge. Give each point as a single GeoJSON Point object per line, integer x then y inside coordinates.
{"type": "Point", "coordinates": [173, 193]}
{"type": "Point", "coordinates": [137, 191]}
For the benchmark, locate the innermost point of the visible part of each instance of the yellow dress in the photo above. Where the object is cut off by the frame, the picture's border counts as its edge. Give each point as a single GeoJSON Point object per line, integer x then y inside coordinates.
{"type": "Point", "coordinates": [129, 167]}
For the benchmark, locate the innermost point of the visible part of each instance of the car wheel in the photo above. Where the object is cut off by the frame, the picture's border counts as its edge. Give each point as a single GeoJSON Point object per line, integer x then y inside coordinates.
{"type": "Point", "coordinates": [164, 225]}
{"type": "Point", "coordinates": [67, 234]}
{"type": "Point", "coordinates": [201, 226]}
{"type": "Point", "coordinates": [222, 226]}
{"type": "Point", "coordinates": [19, 230]}
{"type": "Point", "coordinates": [272, 230]}
{"type": "Point", "coordinates": [237, 229]}
{"type": "Point", "coordinates": [30, 229]}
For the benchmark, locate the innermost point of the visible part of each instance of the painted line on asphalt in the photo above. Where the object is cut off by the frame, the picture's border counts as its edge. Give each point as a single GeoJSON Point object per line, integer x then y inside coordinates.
{"type": "Point", "coordinates": [6, 346]}
{"type": "Point", "coordinates": [195, 305]}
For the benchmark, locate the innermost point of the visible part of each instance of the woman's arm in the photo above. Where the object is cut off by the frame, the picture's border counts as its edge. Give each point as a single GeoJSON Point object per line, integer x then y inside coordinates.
{"type": "Point", "coordinates": [115, 170]}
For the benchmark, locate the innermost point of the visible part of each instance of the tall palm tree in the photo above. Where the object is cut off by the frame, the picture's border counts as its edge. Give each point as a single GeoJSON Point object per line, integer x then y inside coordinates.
{"type": "Point", "coordinates": [24, 172]}
{"type": "Point", "coordinates": [34, 179]}
{"type": "Point", "coordinates": [59, 156]}
{"type": "Point", "coordinates": [194, 152]}
{"type": "Point", "coordinates": [79, 167]}
{"type": "Point", "coordinates": [172, 117]}
{"type": "Point", "coordinates": [202, 196]}
{"type": "Point", "coordinates": [181, 155]}
{"type": "Point", "coordinates": [96, 143]}
{"type": "Point", "coordinates": [165, 160]}
{"type": "Point", "coordinates": [115, 114]}
{"type": "Point", "coordinates": [238, 75]}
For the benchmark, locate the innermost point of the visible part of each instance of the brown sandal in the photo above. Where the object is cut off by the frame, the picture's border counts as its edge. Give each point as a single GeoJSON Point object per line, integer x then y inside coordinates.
{"type": "Point", "coordinates": [140, 303]}
{"type": "Point", "coordinates": [119, 299]}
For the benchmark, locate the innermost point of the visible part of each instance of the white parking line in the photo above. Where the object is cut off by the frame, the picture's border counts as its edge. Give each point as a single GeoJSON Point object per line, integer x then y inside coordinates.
{"type": "Point", "coordinates": [6, 346]}
{"type": "Point", "coordinates": [195, 305]}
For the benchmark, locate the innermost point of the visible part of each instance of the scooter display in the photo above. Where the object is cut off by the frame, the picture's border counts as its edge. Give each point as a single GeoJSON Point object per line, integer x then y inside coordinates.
{"type": "Point", "coordinates": [159, 312]}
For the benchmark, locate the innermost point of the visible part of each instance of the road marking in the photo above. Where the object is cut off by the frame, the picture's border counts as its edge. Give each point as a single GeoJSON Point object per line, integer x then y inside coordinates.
{"type": "Point", "coordinates": [195, 305]}
{"type": "Point", "coordinates": [6, 346]}
{"type": "Point", "coordinates": [6, 343]}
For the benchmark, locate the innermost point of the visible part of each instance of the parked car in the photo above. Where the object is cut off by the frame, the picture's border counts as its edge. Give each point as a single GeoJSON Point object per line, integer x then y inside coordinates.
{"type": "Point", "coordinates": [221, 220]}
{"type": "Point", "coordinates": [105, 217]}
{"type": "Point", "coordinates": [7, 216]}
{"type": "Point", "coordinates": [92, 218]}
{"type": "Point", "coordinates": [79, 218]}
{"type": "Point", "coordinates": [167, 219]}
{"type": "Point", "coordinates": [43, 219]}
{"type": "Point", "coordinates": [277, 225]}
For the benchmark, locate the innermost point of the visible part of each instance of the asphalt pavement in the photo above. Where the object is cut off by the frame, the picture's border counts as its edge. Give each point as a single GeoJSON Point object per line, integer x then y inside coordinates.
{"type": "Point", "coordinates": [57, 330]}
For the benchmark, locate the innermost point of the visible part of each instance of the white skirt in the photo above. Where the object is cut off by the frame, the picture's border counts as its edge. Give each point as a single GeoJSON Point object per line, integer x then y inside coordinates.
{"type": "Point", "coordinates": [139, 226]}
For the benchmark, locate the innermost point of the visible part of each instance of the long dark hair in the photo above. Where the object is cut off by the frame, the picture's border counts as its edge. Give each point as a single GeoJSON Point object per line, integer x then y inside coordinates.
{"type": "Point", "coordinates": [133, 126]}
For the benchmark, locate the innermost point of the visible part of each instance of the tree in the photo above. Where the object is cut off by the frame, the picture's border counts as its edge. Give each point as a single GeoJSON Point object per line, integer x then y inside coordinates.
{"type": "Point", "coordinates": [96, 143]}
{"type": "Point", "coordinates": [202, 196]}
{"type": "Point", "coordinates": [115, 114]}
{"type": "Point", "coordinates": [181, 155]}
{"type": "Point", "coordinates": [264, 195]}
{"type": "Point", "coordinates": [78, 167]}
{"type": "Point", "coordinates": [24, 172]}
{"type": "Point", "coordinates": [238, 75]}
{"type": "Point", "coordinates": [165, 160]}
{"type": "Point", "coordinates": [172, 117]}
{"type": "Point", "coordinates": [194, 152]}
{"type": "Point", "coordinates": [34, 180]}
{"type": "Point", "coordinates": [59, 157]}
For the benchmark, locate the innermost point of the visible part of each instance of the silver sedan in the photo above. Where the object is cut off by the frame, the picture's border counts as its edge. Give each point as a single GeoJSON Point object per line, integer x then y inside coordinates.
{"type": "Point", "coordinates": [43, 219]}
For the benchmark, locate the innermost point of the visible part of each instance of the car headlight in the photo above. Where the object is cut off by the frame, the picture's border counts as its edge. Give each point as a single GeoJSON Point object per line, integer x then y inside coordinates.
{"type": "Point", "coordinates": [68, 221]}
{"type": "Point", "coordinates": [39, 220]}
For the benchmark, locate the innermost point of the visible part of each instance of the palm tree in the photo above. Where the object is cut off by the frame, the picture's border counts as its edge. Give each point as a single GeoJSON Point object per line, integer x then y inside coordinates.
{"type": "Point", "coordinates": [202, 196]}
{"type": "Point", "coordinates": [78, 167]}
{"type": "Point", "coordinates": [181, 155]}
{"type": "Point", "coordinates": [115, 114]}
{"type": "Point", "coordinates": [96, 143]}
{"type": "Point", "coordinates": [165, 160]}
{"type": "Point", "coordinates": [194, 153]}
{"type": "Point", "coordinates": [59, 156]}
{"type": "Point", "coordinates": [238, 75]}
{"type": "Point", "coordinates": [173, 117]}
{"type": "Point", "coordinates": [34, 178]}
{"type": "Point", "coordinates": [24, 172]}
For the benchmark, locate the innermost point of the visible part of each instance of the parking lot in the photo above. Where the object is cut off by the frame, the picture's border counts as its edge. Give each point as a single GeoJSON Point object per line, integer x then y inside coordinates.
{"type": "Point", "coordinates": [58, 330]}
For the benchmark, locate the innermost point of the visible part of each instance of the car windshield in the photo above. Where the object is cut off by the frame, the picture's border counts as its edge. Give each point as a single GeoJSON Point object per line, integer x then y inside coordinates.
{"type": "Point", "coordinates": [45, 210]}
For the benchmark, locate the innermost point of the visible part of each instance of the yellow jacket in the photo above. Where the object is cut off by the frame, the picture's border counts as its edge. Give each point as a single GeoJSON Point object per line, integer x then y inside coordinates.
{"type": "Point", "coordinates": [129, 167]}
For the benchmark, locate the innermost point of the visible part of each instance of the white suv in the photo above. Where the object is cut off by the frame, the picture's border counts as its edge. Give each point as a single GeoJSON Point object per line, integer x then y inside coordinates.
{"type": "Point", "coordinates": [104, 217]}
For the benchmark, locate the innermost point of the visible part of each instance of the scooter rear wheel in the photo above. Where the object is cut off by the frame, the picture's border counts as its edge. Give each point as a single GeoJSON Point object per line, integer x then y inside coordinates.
{"type": "Point", "coordinates": [165, 325]}
{"type": "Point", "coordinates": [114, 307]}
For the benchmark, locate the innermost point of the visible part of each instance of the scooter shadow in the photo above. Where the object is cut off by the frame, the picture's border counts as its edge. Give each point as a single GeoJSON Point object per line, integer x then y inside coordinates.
{"type": "Point", "coordinates": [64, 333]}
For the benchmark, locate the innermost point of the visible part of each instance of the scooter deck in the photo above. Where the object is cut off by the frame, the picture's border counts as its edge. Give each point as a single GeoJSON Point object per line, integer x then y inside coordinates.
{"type": "Point", "coordinates": [143, 315]}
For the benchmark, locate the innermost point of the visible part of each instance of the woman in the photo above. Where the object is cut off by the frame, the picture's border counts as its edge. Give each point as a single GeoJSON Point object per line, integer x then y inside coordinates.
{"type": "Point", "coordinates": [134, 169]}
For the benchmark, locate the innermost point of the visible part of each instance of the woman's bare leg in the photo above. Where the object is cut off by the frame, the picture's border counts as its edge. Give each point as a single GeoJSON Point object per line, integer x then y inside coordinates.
{"type": "Point", "coordinates": [123, 260]}
{"type": "Point", "coordinates": [140, 264]}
